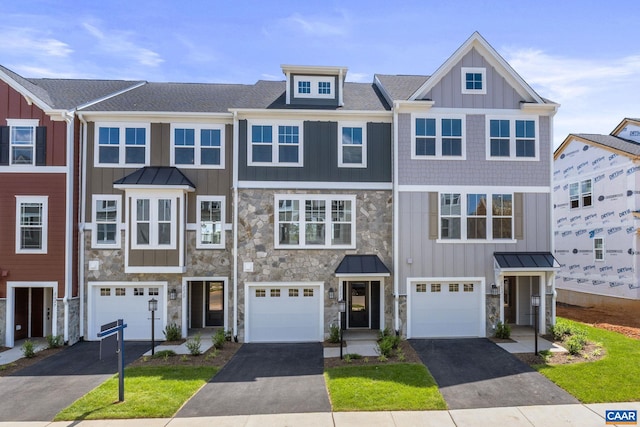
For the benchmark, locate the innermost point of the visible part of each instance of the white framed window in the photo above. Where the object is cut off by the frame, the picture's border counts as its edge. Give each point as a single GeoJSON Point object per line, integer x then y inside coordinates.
{"type": "Point", "coordinates": [314, 87]}
{"type": "Point", "coordinates": [121, 292]}
{"type": "Point", "coordinates": [275, 144]}
{"type": "Point", "coordinates": [476, 217]}
{"type": "Point", "coordinates": [315, 221]}
{"type": "Point", "coordinates": [210, 222]}
{"type": "Point", "coordinates": [261, 293]}
{"type": "Point", "coordinates": [352, 145]}
{"type": "Point", "coordinates": [512, 139]}
{"type": "Point", "coordinates": [294, 292]}
{"type": "Point", "coordinates": [307, 292]}
{"type": "Point", "coordinates": [121, 144]}
{"type": "Point", "coordinates": [105, 292]}
{"type": "Point", "coordinates": [106, 221]}
{"type": "Point", "coordinates": [598, 248]}
{"type": "Point", "coordinates": [197, 146]}
{"type": "Point", "coordinates": [474, 80]}
{"type": "Point", "coordinates": [32, 224]}
{"type": "Point", "coordinates": [438, 137]}
{"type": "Point", "coordinates": [421, 287]}
{"type": "Point", "coordinates": [154, 222]}
{"type": "Point", "coordinates": [454, 287]}
{"type": "Point", "coordinates": [468, 287]}
{"type": "Point", "coordinates": [22, 141]}
{"type": "Point", "coordinates": [436, 287]}
{"type": "Point", "coordinates": [581, 194]}
{"type": "Point", "coordinates": [154, 291]}
{"type": "Point", "coordinates": [274, 293]}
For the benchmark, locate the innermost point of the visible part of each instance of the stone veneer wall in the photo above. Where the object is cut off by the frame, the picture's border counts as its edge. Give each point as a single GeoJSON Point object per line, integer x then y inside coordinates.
{"type": "Point", "coordinates": [256, 237]}
{"type": "Point", "coordinates": [199, 263]}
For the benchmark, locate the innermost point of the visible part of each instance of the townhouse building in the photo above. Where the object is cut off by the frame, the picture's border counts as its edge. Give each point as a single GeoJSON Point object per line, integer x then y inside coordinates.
{"type": "Point", "coordinates": [422, 202]}
{"type": "Point", "coordinates": [596, 206]}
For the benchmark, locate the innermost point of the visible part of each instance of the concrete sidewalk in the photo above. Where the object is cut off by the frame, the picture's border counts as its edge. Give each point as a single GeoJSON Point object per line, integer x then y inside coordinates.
{"type": "Point", "coordinates": [537, 416]}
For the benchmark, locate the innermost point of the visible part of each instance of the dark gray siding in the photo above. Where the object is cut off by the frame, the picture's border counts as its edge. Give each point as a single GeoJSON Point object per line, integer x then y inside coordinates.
{"type": "Point", "coordinates": [321, 157]}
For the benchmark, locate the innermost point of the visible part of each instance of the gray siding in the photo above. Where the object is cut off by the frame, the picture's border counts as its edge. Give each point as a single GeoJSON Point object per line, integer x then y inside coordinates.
{"type": "Point", "coordinates": [207, 181]}
{"type": "Point", "coordinates": [500, 94]}
{"type": "Point", "coordinates": [321, 157]}
{"type": "Point", "coordinates": [475, 170]}
{"type": "Point", "coordinates": [432, 259]}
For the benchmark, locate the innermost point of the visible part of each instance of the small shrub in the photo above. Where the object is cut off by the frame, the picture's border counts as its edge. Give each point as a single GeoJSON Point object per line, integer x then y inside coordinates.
{"type": "Point", "coordinates": [382, 358]}
{"type": "Point", "coordinates": [386, 332]}
{"type": "Point", "coordinates": [194, 345]}
{"type": "Point", "coordinates": [211, 354]}
{"type": "Point", "coordinates": [164, 354]}
{"type": "Point", "coordinates": [227, 335]}
{"type": "Point", "coordinates": [172, 332]}
{"type": "Point", "coordinates": [561, 329]}
{"type": "Point", "coordinates": [54, 341]}
{"type": "Point", "coordinates": [28, 349]}
{"type": "Point", "coordinates": [184, 358]}
{"type": "Point", "coordinates": [574, 344]}
{"type": "Point", "coordinates": [503, 331]}
{"type": "Point", "coordinates": [334, 333]}
{"type": "Point", "coordinates": [400, 355]}
{"type": "Point", "coordinates": [387, 345]}
{"type": "Point", "coordinates": [218, 339]}
{"type": "Point", "coordinates": [347, 358]}
{"type": "Point", "coordinates": [545, 354]}
{"type": "Point", "coordinates": [354, 356]}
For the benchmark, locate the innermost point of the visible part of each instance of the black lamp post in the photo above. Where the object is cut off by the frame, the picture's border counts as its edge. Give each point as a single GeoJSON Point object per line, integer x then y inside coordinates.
{"type": "Point", "coordinates": [153, 306]}
{"type": "Point", "coordinates": [535, 303]}
{"type": "Point", "coordinates": [342, 308]}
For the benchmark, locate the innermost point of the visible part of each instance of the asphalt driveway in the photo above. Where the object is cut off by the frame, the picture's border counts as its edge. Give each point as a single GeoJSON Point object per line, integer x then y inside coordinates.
{"type": "Point", "coordinates": [265, 379]}
{"type": "Point", "coordinates": [38, 392]}
{"type": "Point", "coordinates": [476, 373]}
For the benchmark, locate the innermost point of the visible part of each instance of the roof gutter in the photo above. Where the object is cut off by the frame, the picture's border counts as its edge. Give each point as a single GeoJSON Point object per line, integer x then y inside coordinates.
{"type": "Point", "coordinates": [236, 143]}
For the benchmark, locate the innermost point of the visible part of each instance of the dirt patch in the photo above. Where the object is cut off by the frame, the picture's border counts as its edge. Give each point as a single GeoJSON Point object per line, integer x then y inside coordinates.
{"type": "Point", "coordinates": [621, 320]}
{"type": "Point", "coordinates": [212, 357]}
{"type": "Point", "coordinates": [406, 354]}
{"type": "Point", "coordinates": [10, 368]}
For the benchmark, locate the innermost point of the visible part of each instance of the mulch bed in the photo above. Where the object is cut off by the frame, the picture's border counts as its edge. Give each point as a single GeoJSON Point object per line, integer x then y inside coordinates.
{"type": "Point", "coordinates": [211, 357]}
{"type": "Point", "coordinates": [406, 355]}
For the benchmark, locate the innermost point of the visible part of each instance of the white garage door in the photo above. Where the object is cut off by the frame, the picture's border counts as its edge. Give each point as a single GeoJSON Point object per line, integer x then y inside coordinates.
{"type": "Point", "coordinates": [284, 313]}
{"type": "Point", "coordinates": [131, 303]}
{"type": "Point", "coordinates": [442, 309]}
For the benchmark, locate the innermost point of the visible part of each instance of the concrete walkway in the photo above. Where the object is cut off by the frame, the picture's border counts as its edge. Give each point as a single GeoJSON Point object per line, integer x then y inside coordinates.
{"type": "Point", "coordinates": [525, 416]}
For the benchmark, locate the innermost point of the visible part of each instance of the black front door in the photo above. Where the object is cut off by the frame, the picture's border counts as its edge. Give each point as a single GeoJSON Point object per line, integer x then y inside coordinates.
{"type": "Point", "coordinates": [509, 299]}
{"type": "Point", "coordinates": [358, 304]}
{"type": "Point", "coordinates": [215, 303]}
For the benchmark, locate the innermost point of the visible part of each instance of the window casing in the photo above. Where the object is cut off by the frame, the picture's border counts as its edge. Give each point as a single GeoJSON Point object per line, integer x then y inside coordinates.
{"type": "Point", "coordinates": [474, 80]}
{"type": "Point", "coordinates": [352, 145]}
{"type": "Point", "coordinates": [32, 224]}
{"type": "Point", "coordinates": [438, 137]}
{"type": "Point", "coordinates": [581, 194]}
{"type": "Point", "coordinates": [154, 222]}
{"type": "Point", "coordinates": [106, 221]}
{"type": "Point", "coordinates": [598, 248]}
{"type": "Point", "coordinates": [22, 141]}
{"type": "Point", "coordinates": [197, 146]}
{"type": "Point", "coordinates": [210, 222]}
{"type": "Point", "coordinates": [315, 221]}
{"type": "Point", "coordinates": [122, 144]}
{"type": "Point", "coordinates": [476, 217]}
{"type": "Point", "coordinates": [512, 139]}
{"type": "Point", "coordinates": [314, 87]}
{"type": "Point", "coordinates": [275, 144]}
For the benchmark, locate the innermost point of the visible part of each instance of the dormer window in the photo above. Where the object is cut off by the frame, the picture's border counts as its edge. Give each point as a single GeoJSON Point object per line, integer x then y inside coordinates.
{"type": "Point", "coordinates": [313, 87]}
{"type": "Point", "coordinates": [474, 81]}
{"type": "Point", "coordinates": [304, 87]}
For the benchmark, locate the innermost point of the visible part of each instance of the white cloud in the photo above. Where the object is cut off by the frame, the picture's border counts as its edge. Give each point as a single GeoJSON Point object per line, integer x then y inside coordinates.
{"type": "Point", "coordinates": [119, 43]}
{"type": "Point", "coordinates": [15, 40]}
{"type": "Point", "coordinates": [316, 26]}
{"type": "Point", "coordinates": [359, 77]}
{"type": "Point", "coordinates": [595, 95]}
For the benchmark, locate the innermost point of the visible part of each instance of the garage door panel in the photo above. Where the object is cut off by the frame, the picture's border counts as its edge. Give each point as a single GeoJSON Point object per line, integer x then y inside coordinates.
{"type": "Point", "coordinates": [443, 313]}
{"type": "Point", "coordinates": [132, 307]}
{"type": "Point", "coordinates": [284, 318]}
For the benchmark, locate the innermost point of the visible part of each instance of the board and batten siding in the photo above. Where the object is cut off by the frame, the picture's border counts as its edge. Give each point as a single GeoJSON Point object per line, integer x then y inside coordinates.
{"type": "Point", "coordinates": [210, 182]}
{"type": "Point", "coordinates": [500, 94]}
{"type": "Point", "coordinates": [320, 163]}
{"type": "Point", "coordinates": [432, 259]}
{"type": "Point", "coordinates": [476, 169]}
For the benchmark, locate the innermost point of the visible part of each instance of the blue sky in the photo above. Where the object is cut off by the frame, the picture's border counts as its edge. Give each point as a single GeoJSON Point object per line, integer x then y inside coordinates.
{"type": "Point", "coordinates": [584, 54]}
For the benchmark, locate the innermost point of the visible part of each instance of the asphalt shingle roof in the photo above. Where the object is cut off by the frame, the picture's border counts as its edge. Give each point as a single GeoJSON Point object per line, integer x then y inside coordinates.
{"type": "Point", "coordinates": [401, 87]}
{"type": "Point", "coordinates": [614, 142]}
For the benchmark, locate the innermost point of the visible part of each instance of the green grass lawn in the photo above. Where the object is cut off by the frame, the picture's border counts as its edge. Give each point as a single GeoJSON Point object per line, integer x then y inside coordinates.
{"type": "Point", "coordinates": [614, 378]}
{"type": "Point", "coordinates": [149, 392]}
{"type": "Point", "coordinates": [396, 387]}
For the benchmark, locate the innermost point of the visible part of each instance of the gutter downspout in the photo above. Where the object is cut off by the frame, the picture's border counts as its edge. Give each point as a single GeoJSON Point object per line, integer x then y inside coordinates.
{"type": "Point", "coordinates": [70, 224]}
{"type": "Point", "coordinates": [236, 135]}
{"type": "Point", "coordinates": [554, 296]}
{"type": "Point", "coordinates": [83, 212]}
{"type": "Point", "coordinates": [395, 221]}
